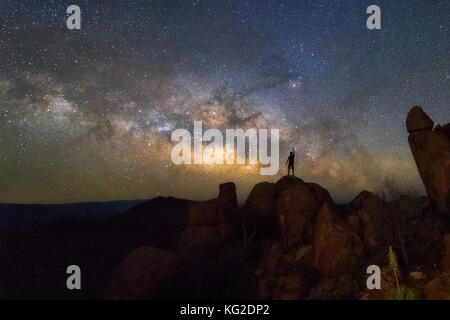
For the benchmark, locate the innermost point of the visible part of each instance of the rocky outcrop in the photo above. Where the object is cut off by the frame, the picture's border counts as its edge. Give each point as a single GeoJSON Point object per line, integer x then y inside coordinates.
{"type": "Point", "coordinates": [321, 194]}
{"type": "Point", "coordinates": [141, 273]}
{"type": "Point", "coordinates": [287, 182]}
{"type": "Point", "coordinates": [297, 209]}
{"type": "Point", "coordinates": [431, 151]}
{"type": "Point", "coordinates": [337, 248]}
{"type": "Point", "coordinates": [212, 224]}
{"type": "Point", "coordinates": [260, 208]}
{"type": "Point", "coordinates": [365, 219]}
{"type": "Point", "coordinates": [286, 276]}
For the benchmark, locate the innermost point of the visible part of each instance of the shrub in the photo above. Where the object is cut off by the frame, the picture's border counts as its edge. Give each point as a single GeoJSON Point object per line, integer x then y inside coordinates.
{"type": "Point", "coordinates": [404, 293]}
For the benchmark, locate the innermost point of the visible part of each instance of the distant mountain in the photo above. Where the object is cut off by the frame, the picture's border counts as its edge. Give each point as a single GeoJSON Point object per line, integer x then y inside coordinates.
{"type": "Point", "coordinates": [95, 236]}
{"type": "Point", "coordinates": [14, 216]}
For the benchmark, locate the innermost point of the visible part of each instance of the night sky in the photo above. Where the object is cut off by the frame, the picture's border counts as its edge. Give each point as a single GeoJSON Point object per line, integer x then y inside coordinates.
{"type": "Point", "coordinates": [86, 115]}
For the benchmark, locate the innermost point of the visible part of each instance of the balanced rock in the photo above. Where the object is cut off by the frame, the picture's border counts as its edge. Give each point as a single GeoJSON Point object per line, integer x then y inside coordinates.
{"type": "Point", "coordinates": [337, 248]}
{"type": "Point", "coordinates": [418, 120]}
{"type": "Point", "coordinates": [140, 273]}
{"type": "Point", "coordinates": [431, 151]}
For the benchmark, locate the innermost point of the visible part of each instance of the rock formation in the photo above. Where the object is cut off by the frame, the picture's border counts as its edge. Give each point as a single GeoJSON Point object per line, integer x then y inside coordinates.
{"type": "Point", "coordinates": [212, 224]}
{"type": "Point", "coordinates": [365, 218]}
{"type": "Point", "coordinates": [431, 151]}
{"type": "Point", "coordinates": [260, 207]}
{"type": "Point", "coordinates": [297, 206]}
{"type": "Point", "coordinates": [337, 248]}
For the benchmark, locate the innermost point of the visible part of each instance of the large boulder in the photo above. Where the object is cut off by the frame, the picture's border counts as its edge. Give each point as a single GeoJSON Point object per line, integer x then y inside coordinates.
{"type": "Point", "coordinates": [141, 273]}
{"type": "Point", "coordinates": [287, 182]}
{"type": "Point", "coordinates": [295, 285]}
{"type": "Point", "coordinates": [320, 193]}
{"type": "Point", "coordinates": [204, 213]}
{"type": "Point", "coordinates": [285, 276]}
{"type": "Point", "coordinates": [431, 151]}
{"type": "Point", "coordinates": [271, 256]}
{"type": "Point", "coordinates": [437, 289]}
{"type": "Point", "coordinates": [366, 210]}
{"type": "Point", "coordinates": [337, 248]}
{"type": "Point", "coordinates": [297, 208]}
{"type": "Point", "coordinates": [260, 207]}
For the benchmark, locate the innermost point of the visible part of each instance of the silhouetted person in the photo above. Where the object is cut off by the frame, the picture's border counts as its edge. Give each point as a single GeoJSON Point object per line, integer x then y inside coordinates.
{"type": "Point", "coordinates": [290, 162]}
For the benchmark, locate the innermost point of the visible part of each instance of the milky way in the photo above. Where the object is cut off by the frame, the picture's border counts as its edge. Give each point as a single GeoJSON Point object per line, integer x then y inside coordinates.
{"type": "Point", "coordinates": [86, 115]}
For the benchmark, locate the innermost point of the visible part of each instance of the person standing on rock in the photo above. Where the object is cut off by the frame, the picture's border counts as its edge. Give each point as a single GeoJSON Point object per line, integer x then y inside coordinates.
{"type": "Point", "coordinates": [290, 162]}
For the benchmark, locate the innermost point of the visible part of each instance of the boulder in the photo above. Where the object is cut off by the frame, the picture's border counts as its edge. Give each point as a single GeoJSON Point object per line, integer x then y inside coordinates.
{"type": "Point", "coordinates": [337, 248]}
{"type": "Point", "coordinates": [287, 182]}
{"type": "Point", "coordinates": [228, 205]}
{"type": "Point", "coordinates": [365, 200]}
{"type": "Point", "coordinates": [437, 289]}
{"type": "Point", "coordinates": [431, 151]}
{"type": "Point", "coordinates": [321, 194]}
{"type": "Point", "coordinates": [204, 213]}
{"type": "Point", "coordinates": [294, 286]}
{"type": "Point", "coordinates": [368, 208]}
{"type": "Point", "coordinates": [270, 258]}
{"type": "Point", "coordinates": [140, 274]}
{"type": "Point", "coordinates": [305, 255]}
{"type": "Point", "coordinates": [260, 208]}
{"type": "Point", "coordinates": [354, 222]}
{"type": "Point", "coordinates": [296, 212]}
{"type": "Point", "coordinates": [418, 120]}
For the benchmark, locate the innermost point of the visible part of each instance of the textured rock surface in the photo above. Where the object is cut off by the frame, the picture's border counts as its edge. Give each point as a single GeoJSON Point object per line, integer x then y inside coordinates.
{"type": "Point", "coordinates": [287, 182]}
{"type": "Point", "coordinates": [296, 212]}
{"type": "Point", "coordinates": [437, 289]}
{"type": "Point", "coordinates": [337, 248]}
{"type": "Point", "coordinates": [321, 194]}
{"type": "Point", "coordinates": [260, 207]}
{"type": "Point", "coordinates": [368, 208]}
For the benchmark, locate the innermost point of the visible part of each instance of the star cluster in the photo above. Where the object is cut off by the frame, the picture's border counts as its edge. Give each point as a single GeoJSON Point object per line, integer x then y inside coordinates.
{"type": "Point", "coordinates": [86, 115]}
